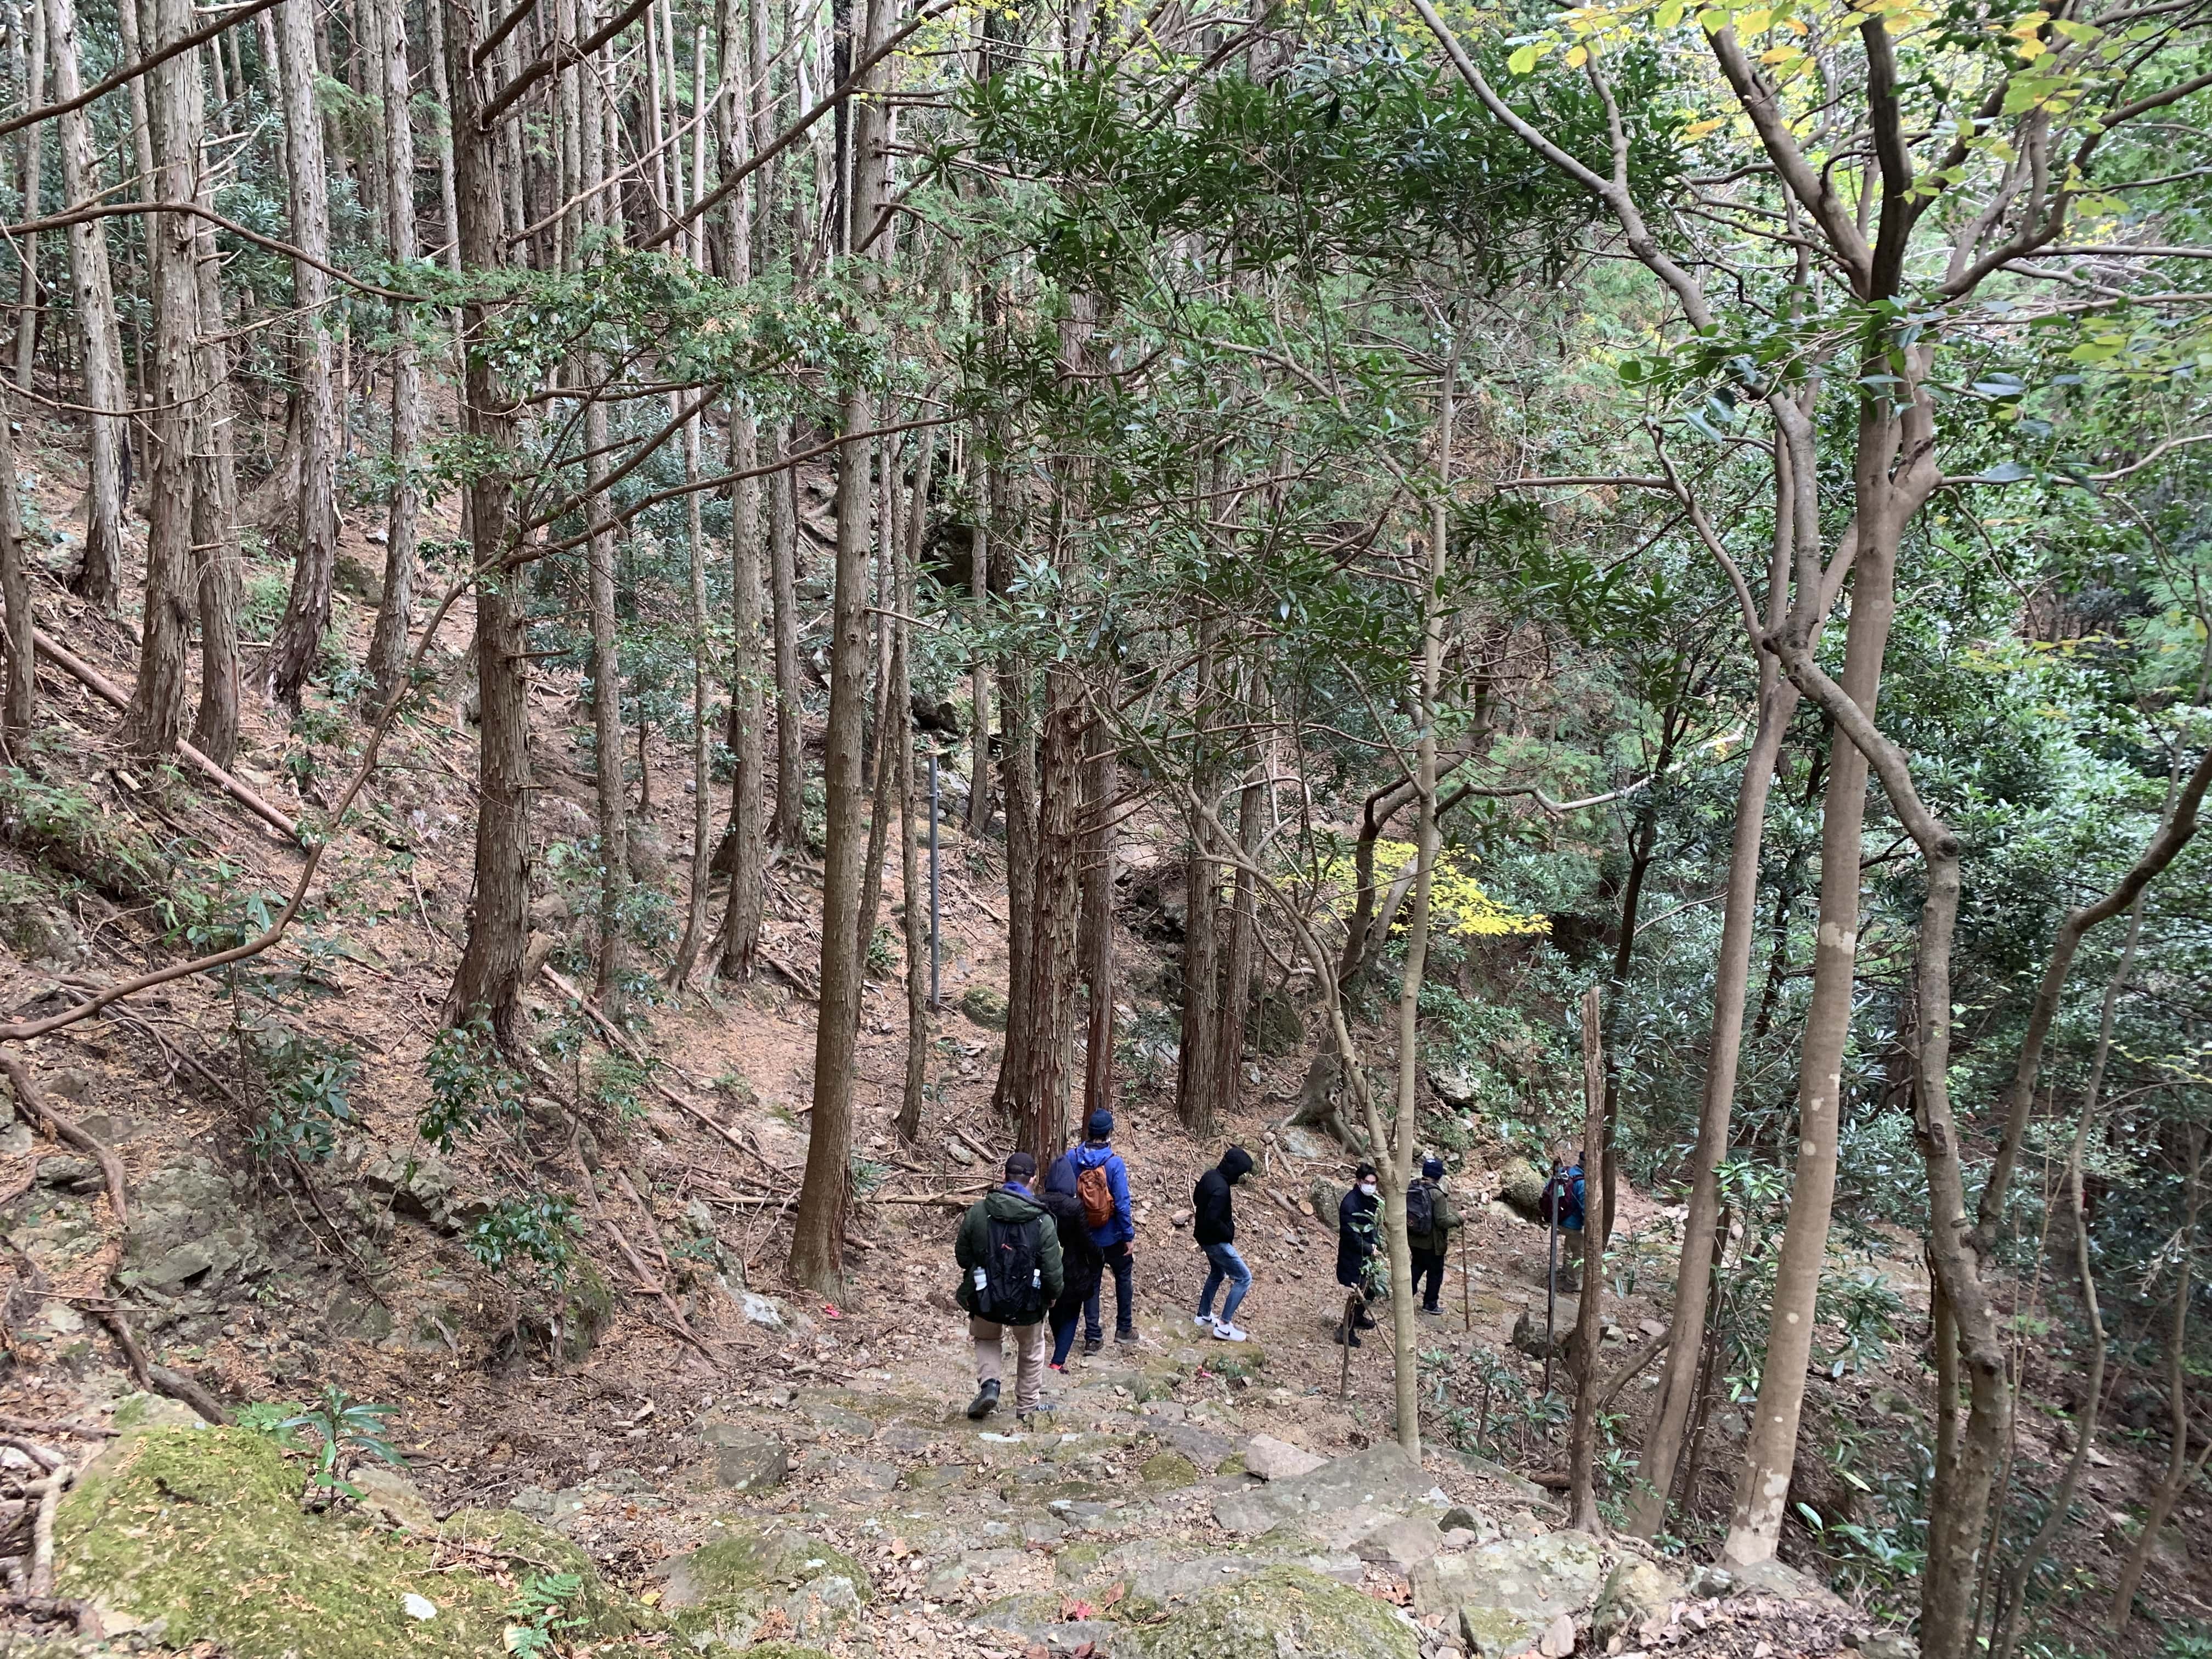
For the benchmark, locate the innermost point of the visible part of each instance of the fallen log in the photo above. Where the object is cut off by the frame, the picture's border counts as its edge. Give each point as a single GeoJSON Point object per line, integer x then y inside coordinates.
{"type": "Point", "coordinates": [105, 689]}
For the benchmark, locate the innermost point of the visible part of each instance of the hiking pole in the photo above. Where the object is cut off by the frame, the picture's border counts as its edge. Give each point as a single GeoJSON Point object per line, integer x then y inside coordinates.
{"type": "Point", "coordinates": [1550, 1275]}
{"type": "Point", "coordinates": [1352, 1307]}
{"type": "Point", "coordinates": [1466, 1296]}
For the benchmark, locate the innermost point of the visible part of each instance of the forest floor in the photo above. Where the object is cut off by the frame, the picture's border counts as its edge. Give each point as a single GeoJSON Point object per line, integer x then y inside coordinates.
{"type": "Point", "coordinates": [267, 1286]}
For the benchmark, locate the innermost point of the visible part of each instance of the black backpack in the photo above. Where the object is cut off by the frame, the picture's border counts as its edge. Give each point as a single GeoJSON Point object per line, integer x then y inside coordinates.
{"type": "Point", "coordinates": [1420, 1208]}
{"type": "Point", "coordinates": [1013, 1273]}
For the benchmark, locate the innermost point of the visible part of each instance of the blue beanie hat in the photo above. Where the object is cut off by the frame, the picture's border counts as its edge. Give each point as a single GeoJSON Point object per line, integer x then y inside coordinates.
{"type": "Point", "coordinates": [1101, 1127]}
{"type": "Point", "coordinates": [1433, 1168]}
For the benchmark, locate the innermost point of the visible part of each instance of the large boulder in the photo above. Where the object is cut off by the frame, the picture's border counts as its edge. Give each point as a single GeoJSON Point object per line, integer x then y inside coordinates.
{"type": "Point", "coordinates": [1635, 1592]}
{"type": "Point", "coordinates": [190, 1233]}
{"type": "Point", "coordinates": [1281, 1610]}
{"type": "Point", "coordinates": [1344, 1494]}
{"type": "Point", "coordinates": [1521, 1188]}
{"type": "Point", "coordinates": [201, 1529]}
{"type": "Point", "coordinates": [1271, 1459]}
{"type": "Point", "coordinates": [1505, 1596]}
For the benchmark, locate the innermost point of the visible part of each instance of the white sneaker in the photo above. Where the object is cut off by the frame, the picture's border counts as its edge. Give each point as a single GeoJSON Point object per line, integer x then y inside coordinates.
{"type": "Point", "coordinates": [1224, 1332]}
{"type": "Point", "coordinates": [1203, 1321]}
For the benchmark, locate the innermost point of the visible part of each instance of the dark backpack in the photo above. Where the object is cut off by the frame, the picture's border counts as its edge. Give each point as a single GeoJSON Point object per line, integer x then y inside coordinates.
{"type": "Point", "coordinates": [1420, 1208]}
{"type": "Point", "coordinates": [1558, 1203]}
{"type": "Point", "coordinates": [1012, 1292]}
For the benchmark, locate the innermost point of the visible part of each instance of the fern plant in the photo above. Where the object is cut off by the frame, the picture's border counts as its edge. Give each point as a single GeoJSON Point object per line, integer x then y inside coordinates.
{"type": "Point", "coordinates": [540, 1612]}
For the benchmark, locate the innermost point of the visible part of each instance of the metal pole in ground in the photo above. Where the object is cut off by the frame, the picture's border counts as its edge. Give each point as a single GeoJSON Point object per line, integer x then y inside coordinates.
{"type": "Point", "coordinates": [936, 1000]}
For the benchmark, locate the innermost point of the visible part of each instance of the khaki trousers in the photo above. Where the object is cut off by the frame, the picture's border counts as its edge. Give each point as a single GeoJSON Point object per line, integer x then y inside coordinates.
{"type": "Point", "coordinates": [1028, 1357]}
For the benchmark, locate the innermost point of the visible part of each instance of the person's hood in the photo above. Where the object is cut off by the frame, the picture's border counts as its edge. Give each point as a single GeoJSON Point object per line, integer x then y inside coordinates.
{"type": "Point", "coordinates": [1003, 1206]}
{"type": "Point", "coordinates": [1087, 1156]}
{"type": "Point", "coordinates": [1061, 1177]}
{"type": "Point", "coordinates": [1236, 1164]}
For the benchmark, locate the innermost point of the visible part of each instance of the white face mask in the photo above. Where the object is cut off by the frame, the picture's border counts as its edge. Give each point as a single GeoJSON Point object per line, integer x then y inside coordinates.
{"type": "Point", "coordinates": [1368, 1188]}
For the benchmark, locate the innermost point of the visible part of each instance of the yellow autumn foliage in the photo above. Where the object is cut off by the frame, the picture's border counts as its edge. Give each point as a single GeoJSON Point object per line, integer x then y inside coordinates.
{"type": "Point", "coordinates": [1457, 903]}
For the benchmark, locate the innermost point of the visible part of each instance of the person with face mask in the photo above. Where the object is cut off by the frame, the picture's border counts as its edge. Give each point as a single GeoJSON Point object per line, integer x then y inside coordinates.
{"type": "Point", "coordinates": [1358, 1230]}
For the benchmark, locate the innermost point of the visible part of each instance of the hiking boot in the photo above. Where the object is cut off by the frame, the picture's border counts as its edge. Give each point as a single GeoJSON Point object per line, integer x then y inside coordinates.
{"type": "Point", "coordinates": [1093, 1344]}
{"type": "Point", "coordinates": [1127, 1339]}
{"type": "Point", "coordinates": [1433, 1313]}
{"type": "Point", "coordinates": [1364, 1323]}
{"type": "Point", "coordinates": [1344, 1338]}
{"type": "Point", "coordinates": [985, 1402]}
{"type": "Point", "coordinates": [1043, 1408]}
{"type": "Point", "coordinates": [1055, 1365]}
{"type": "Point", "coordinates": [1225, 1332]}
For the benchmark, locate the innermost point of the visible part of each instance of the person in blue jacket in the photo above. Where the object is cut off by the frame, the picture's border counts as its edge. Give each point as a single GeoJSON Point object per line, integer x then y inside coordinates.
{"type": "Point", "coordinates": [1564, 1201]}
{"type": "Point", "coordinates": [1112, 1236]}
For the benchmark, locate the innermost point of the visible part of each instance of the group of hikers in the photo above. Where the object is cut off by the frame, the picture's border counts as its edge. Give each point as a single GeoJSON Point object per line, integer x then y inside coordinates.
{"type": "Point", "coordinates": [1033, 1263]}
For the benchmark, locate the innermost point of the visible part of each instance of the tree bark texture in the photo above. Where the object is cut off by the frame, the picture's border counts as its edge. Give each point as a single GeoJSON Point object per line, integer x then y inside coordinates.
{"type": "Point", "coordinates": [489, 979]}
{"type": "Point", "coordinates": [1762, 1492]}
{"type": "Point", "coordinates": [298, 641]}
{"type": "Point", "coordinates": [818, 1230]}
{"type": "Point", "coordinates": [1100, 835]}
{"type": "Point", "coordinates": [787, 827]}
{"type": "Point", "coordinates": [1043, 1088]}
{"type": "Point", "coordinates": [97, 578]}
{"type": "Point", "coordinates": [157, 717]}
{"type": "Point", "coordinates": [19, 699]}
{"type": "Point", "coordinates": [387, 645]}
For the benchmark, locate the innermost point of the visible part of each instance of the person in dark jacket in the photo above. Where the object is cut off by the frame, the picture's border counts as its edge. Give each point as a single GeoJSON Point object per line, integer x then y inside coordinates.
{"type": "Point", "coordinates": [1213, 1225]}
{"type": "Point", "coordinates": [1358, 1229]}
{"type": "Point", "coordinates": [1430, 1248]}
{"type": "Point", "coordinates": [1114, 1238]}
{"type": "Point", "coordinates": [1013, 1205]}
{"type": "Point", "coordinates": [1080, 1258]}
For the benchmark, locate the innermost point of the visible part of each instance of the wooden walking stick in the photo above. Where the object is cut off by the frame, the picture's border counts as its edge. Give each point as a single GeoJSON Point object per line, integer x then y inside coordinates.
{"type": "Point", "coordinates": [1348, 1331]}
{"type": "Point", "coordinates": [1466, 1296]}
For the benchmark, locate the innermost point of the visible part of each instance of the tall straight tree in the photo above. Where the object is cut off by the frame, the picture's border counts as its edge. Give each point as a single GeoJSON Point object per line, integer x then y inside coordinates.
{"type": "Point", "coordinates": [307, 616]}
{"type": "Point", "coordinates": [35, 153]}
{"type": "Point", "coordinates": [745, 113]}
{"type": "Point", "coordinates": [156, 716]}
{"type": "Point", "coordinates": [599, 216]}
{"type": "Point", "coordinates": [487, 982]}
{"type": "Point", "coordinates": [818, 1231]}
{"type": "Point", "coordinates": [219, 576]}
{"type": "Point", "coordinates": [1677, 1377]}
{"type": "Point", "coordinates": [387, 645]}
{"type": "Point", "coordinates": [99, 346]}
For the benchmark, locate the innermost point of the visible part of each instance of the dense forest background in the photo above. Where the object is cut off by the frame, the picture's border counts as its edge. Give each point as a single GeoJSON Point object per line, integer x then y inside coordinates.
{"type": "Point", "coordinates": [1424, 515]}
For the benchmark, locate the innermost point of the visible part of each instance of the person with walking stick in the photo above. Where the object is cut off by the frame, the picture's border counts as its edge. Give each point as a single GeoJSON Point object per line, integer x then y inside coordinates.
{"type": "Point", "coordinates": [1561, 1207]}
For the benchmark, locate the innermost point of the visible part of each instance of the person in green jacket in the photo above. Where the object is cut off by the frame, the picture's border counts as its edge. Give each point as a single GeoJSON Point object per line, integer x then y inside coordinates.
{"type": "Point", "coordinates": [1426, 1201]}
{"type": "Point", "coordinates": [1011, 1273]}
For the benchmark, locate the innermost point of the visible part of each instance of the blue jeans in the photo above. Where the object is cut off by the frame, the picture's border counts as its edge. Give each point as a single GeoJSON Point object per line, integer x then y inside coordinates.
{"type": "Point", "coordinates": [1063, 1334]}
{"type": "Point", "coordinates": [1120, 1263]}
{"type": "Point", "coordinates": [1229, 1266]}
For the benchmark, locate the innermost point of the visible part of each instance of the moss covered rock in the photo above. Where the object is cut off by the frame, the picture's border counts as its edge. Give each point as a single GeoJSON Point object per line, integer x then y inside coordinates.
{"type": "Point", "coordinates": [1168, 1468]}
{"type": "Point", "coordinates": [527, 1548]}
{"type": "Point", "coordinates": [202, 1529]}
{"type": "Point", "coordinates": [761, 1584]}
{"type": "Point", "coordinates": [1280, 1610]}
